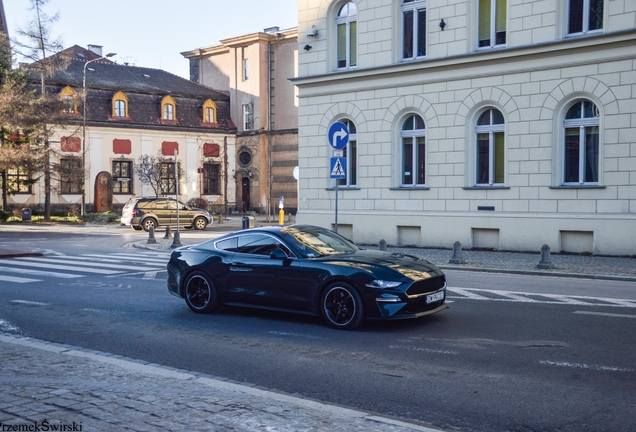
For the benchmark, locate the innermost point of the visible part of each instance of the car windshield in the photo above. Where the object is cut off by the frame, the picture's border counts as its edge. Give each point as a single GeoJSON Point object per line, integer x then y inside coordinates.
{"type": "Point", "coordinates": [313, 241]}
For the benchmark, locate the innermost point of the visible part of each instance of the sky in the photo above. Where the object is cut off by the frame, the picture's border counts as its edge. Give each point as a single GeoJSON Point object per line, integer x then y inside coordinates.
{"type": "Point", "coordinates": [153, 33]}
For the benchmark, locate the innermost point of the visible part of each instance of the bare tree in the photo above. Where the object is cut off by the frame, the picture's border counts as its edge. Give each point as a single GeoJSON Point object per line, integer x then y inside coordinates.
{"type": "Point", "coordinates": [158, 172]}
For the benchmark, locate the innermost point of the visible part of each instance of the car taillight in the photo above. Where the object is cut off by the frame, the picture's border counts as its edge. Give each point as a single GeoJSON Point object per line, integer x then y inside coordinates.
{"type": "Point", "coordinates": [134, 212]}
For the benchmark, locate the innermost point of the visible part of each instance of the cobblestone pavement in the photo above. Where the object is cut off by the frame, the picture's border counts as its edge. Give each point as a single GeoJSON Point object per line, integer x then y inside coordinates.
{"type": "Point", "coordinates": [48, 386]}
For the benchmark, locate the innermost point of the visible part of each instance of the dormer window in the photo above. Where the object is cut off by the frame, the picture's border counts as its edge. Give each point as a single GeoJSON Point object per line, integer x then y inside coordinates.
{"type": "Point", "coordinates": [209, 112]}
{"type": "Point", "coordinates": [168, 109]}
{"type": "Point", "coordinates": [68, 100]}
{"type": "Point", "coordinates": [120, 105]}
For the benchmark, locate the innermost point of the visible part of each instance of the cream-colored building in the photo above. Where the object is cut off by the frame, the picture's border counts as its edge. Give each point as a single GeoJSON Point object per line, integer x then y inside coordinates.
{"type": "Point", "coordinates": [499, 124]}
{"type": "Point", "coordinates": [255, 69]}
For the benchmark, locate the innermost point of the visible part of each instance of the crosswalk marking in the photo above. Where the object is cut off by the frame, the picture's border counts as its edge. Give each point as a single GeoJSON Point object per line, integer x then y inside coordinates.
{"type": "Point", "coordinates": [35, 269]}
{"type": "Point", "coordinates": [520, 297]}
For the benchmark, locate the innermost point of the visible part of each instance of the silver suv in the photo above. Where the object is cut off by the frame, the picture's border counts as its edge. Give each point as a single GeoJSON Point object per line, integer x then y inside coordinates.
{"type": "Point", "coordinates": [152, 212]}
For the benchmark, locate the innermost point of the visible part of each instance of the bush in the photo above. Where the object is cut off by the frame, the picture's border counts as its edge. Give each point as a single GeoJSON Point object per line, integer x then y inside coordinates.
{"type": "Point", "coordinates": [3, 215]}
{"type": "Point", "coordinates": [198, 203]}
{"type": "Point", "coordinates": [100, 218]}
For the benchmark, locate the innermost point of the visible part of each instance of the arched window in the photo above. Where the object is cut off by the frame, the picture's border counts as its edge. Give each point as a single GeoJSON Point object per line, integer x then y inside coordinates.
{"type": "Point", "coordinates": [346, 36]}
{"type": "Point", "coordinates": [120, 105]}
{"type": "Point", "coordinates": [209, 112]}
{"type": "Point", "coordinates": [168, 109]}
{"type": "Point", "coordinates": [581, 143]}
{"type": "Point", "coordinates": [413, 136]}
{"type": "Point", "coordinates": [490, 152]}
{"type": "Point", "coordinates": [68, 100]}
{"type": "Point", "coordinates": [350, 152]}
{"type": "Point", "coordinates": [413, 29]}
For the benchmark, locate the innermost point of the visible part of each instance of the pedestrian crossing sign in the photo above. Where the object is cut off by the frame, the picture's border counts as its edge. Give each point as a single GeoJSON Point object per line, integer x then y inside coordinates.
{"type": "Point", "coordinates": [338, 165]}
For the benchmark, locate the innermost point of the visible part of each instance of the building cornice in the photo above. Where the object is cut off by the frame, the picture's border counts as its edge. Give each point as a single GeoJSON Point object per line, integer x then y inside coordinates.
{"type": "Point", "coordinates": [564, 53]}
{"type": "Point", "coordinates": [244, 40]}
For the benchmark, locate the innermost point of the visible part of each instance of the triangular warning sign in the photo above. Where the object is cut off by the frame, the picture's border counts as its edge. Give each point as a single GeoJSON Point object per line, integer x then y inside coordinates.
{"type": "Point", "coordinates": [337, 169]}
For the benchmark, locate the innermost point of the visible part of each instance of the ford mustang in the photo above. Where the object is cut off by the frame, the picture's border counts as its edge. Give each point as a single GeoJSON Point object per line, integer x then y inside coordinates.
{"type": "Point", "coordinates": [305, 269]}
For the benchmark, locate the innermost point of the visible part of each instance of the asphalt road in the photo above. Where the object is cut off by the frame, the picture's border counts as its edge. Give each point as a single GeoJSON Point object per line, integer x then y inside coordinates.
{"type": "Point", "coordinates": [494, 361]}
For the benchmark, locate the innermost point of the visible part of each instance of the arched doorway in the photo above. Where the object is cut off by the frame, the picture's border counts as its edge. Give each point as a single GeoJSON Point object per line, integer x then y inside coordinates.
{"type": "Point", "coordinates": [103, 192]}
{"type": "Point", "coordinates": [245, 194]}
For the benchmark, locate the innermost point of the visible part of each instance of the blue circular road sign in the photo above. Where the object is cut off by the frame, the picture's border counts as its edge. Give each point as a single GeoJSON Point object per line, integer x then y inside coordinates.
{"type": "Point", "coordinates": [338, 135]}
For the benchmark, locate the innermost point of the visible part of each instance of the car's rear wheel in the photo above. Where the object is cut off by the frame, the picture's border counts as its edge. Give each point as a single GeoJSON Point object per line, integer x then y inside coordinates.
{"type": "Point", "coordinates": [149, 223]}
{"type": "Point", "coordinates": [342, 307]}
{"type": "Point", "coordinates": [200, 293]}
{"type": "Point", "coordinates": [200, 223]}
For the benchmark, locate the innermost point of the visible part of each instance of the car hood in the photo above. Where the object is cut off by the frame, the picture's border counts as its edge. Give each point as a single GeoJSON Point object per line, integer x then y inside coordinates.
{"type": "Point", "coordinates": [409, 266]}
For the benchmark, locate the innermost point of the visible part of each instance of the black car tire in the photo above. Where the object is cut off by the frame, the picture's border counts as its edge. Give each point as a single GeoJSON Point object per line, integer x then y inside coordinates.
{"type": "Point", "coordinates": [149, 223]}
{"type": "Point", "coordinates": [342, 307]}
{"type": "Point", "coordinates": [200, 293]}
{"type": "Point", "coordinates": [199, 223]}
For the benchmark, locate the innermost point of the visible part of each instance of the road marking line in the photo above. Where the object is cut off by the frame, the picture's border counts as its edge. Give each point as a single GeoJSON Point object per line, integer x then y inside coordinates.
{"type": "Point", "coordinates": [605, 314]}
{"type": "Point", "coordinates": [426, 350]}
{"type": "Point", "coordinates": [19, 261]}
{"type": "Point", "coordinates": [39, 273]}
{"type": "Point", "coordinates": [17, 279]}
{"type": "Point", "coordinates": [29, 303]}
{"type": "Point", "coordinates": [150, 275]}
{"type": "Point", "coordinates": [92, 264]}
{"type": "Point", "coordinates": [585, 366]}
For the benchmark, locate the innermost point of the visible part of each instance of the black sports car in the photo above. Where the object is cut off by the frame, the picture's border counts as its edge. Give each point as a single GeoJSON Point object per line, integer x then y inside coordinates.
{"type": "Point", "coordinates": [305, 269]}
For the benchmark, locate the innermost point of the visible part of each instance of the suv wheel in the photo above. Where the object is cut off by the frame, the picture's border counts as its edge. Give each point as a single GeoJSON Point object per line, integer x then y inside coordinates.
{"type": "Point", "coordinates": [200, 223]}
{"type": "Point", "coordinates": [149, 223]}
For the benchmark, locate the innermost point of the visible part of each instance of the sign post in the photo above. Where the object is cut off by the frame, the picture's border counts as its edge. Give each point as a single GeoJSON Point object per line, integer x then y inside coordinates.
{"type": "Point", "coordinates": [338, 139]}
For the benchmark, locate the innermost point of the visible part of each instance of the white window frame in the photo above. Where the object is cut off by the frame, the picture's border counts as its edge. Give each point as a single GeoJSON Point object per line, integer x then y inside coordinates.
{"type": "Point", "coordinates": [585, 18]}
{"type": "Point", "coordinates": [247, 120]}
{"type": "Point", "coordinates": [493, 26]}
{"type": "Point", "coordinates": [491, 130]}
{"type": "Point", "coordinates": [346, 20]}
{"type": "Point", "coordinates": [246, 71]}
{"type": "Point", "coordinates": [415, 7]}
{"type": "Point", "coordinates": [413, 134]}
{"type": "Point", "coordinates": [582, 123]}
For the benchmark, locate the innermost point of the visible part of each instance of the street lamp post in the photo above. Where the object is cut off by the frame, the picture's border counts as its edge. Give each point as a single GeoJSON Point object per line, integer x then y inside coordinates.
{"type": "Point", "coordinates": [83, 210]}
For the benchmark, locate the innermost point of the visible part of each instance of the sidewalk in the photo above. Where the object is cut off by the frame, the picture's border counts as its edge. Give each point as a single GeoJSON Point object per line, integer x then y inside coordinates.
{"type": "Point", "coordinates": [48, 386]}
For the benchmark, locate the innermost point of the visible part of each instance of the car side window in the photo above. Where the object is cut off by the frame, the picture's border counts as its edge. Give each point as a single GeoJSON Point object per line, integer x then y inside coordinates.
{"type": "Point", "coordinates": [172, 205]}
{"type": "Point", "coordinates": [161, 204]}
{"type": "Point", "coordinates": [229, 245]}
{"type": "Point", "coordinates": [259, 244]}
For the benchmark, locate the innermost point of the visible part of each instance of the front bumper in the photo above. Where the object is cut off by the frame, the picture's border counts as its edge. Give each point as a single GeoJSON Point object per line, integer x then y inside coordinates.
{"type": "Point", "coordinates": [401, 305]}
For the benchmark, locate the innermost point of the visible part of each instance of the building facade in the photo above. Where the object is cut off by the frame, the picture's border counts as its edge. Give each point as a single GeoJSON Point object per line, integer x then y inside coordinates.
{"type": "Point", "coordinates": [255, 70]}
{"type": "Point", "coordinates": [503, 124]}
{"type": "Point", "coordinates": [132, 112]}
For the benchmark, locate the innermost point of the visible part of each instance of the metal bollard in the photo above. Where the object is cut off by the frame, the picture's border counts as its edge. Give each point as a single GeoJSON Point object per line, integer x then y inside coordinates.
{"type": "Point", "coordinates": [457, 254]}
{"type": "Point", "coordinates": [246, 222]}
{"type": "Point", "coordinates": [177, 240]}
{"type": "Point", "coordinates": [151, 236]}
{"type": "Point", "coordinates": [382, 245]}
{"type": "Point", "coordinates": [168, 235]}
{"type": "Point", "coordinates": [546, 262]}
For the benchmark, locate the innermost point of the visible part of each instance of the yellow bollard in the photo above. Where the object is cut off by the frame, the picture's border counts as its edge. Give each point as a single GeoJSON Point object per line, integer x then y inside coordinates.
{"type": "Point", "coordinates": [281, 217]}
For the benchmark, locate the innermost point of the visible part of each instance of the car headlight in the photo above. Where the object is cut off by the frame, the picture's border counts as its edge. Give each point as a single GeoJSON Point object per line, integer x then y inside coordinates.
{"type": "Point", "coordinates": [382, 284]}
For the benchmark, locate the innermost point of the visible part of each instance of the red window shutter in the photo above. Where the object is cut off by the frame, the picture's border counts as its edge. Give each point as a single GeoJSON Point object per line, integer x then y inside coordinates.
{"type": "Point", "coordinates": [211, 150]}
{"type": "Point", "coordinates": [122, 146]}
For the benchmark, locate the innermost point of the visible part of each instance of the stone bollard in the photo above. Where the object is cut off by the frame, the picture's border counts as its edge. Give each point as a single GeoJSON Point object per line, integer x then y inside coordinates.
{"type": "Point", "coordinates": [168, 235]}
{"type": "Point", "coordinates": [177, 240]}
{"type": "Point", "coordinates": [457, 254]}
{"type": "Point", "coordinates": [382, 245]}
{"type": "Point", "coordinates": [151, 236]}
{"type": "Point", "coordinates": [546, 262]}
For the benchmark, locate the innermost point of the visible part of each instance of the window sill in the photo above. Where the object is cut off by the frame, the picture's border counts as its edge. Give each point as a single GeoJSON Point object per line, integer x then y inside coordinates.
{"type": "Point", "coordinates": [485, 187]}
{"type": "Point", "coordinates": [115, 118]}
{"type": "Point", "coordinates": [168, 122]}
{"type": "Point", "coordinates": [343, 188]}
{"type": "Point", "coordinates": [208, 124]}
{"type": "Point", "coordinates": [578, 186]}
{"type": "Point", "coordinates": [409, 188]}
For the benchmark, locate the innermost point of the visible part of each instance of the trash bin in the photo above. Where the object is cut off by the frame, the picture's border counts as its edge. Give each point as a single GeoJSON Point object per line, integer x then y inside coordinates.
{"type": "Point", "coordinates": [26, 214]}
{"type": "Point", "coordinates": [248, 222]}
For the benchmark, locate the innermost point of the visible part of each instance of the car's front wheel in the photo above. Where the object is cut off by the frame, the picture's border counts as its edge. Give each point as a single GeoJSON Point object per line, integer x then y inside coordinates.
{"type": "Point", "coordinates": [342, 307]}
{"type": "Point", "coordinates": [200, 223]}
{"type": "Point", "coordinates": [200, 293]}
{"type": "Point", "coordinates": [149, 223]}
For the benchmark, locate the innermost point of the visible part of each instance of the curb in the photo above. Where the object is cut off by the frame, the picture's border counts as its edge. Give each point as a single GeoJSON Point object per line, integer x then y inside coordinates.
{"type": "Point", "coordinates": [16, 254]}
{"type": "Point", "coordinates": [540, 273]}
{"type": "Point", "coordinates": [141, 366]}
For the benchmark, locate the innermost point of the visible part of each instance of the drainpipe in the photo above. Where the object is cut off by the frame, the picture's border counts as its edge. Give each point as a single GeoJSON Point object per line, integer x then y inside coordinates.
{"type": "Point", "coordinates": [269, 128]}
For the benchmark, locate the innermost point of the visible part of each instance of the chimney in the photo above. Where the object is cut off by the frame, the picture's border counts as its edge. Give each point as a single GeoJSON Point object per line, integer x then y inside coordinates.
{"type": "Point", "coordinates": [271, 30]}
{"type": "Point", "coordinates": [97, 49]}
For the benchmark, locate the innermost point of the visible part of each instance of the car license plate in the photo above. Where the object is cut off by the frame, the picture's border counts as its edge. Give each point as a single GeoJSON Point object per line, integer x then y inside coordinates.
{"type": "Point", "coordinates": [435, 297]}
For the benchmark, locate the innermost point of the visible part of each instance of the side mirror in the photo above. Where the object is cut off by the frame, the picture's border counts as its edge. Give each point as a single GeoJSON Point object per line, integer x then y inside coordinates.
{"type": "Point", "coordinates": [185, 208]}
{"type": "Point", "coordinates": [278, 254]}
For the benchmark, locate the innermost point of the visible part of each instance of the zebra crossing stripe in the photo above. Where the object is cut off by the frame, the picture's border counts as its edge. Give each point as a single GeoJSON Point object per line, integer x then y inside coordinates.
{"type": "Point", "coordinates": [22, 262]}
{"type": "Point", "coordinates": [39, 273]}
{"type": "Point", "coordinates": [14, 279]}
{"type": "Point", "coordinates": [92, 264]}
